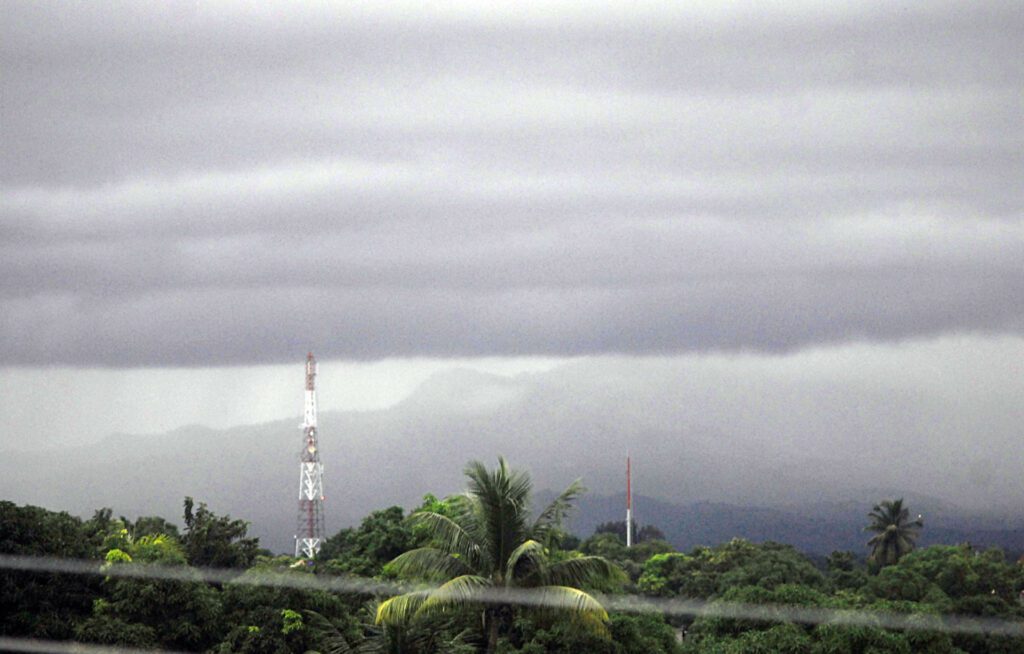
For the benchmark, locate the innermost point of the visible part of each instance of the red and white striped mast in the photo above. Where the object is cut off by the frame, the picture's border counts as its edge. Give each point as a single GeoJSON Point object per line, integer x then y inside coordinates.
{"type": "Point", "coordinates": [309, 532]}
{"type": "Point", "coordinates": [629, 504]}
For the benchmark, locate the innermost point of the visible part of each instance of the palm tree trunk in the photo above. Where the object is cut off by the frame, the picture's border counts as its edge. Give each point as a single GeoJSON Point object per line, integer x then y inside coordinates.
{"type": "Point", "coordinates": [491, 622]}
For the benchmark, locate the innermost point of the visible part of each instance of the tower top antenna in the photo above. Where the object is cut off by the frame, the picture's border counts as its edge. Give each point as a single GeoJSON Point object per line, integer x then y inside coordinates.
{"type": "Point", "coordinates": [629, 502]}
{"type": "Point", "coordinates": [311, 368]}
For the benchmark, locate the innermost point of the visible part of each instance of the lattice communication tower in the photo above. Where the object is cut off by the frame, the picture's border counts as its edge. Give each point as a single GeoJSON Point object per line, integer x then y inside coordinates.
{"type": "Point", "coordinates": [309, 532]}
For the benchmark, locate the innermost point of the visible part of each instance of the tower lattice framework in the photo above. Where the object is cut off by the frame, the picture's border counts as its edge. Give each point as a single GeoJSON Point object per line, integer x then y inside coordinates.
{"type": "Point", "coordinates": [309, 532]}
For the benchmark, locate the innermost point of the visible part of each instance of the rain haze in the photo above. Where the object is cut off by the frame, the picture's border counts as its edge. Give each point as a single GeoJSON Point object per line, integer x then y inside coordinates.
{"type": "Point", "coordinates": [787, 239]}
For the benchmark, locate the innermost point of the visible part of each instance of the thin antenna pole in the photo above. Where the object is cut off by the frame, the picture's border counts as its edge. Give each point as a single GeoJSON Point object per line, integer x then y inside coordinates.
{"type": "Point", "coordinates": [629, 502]}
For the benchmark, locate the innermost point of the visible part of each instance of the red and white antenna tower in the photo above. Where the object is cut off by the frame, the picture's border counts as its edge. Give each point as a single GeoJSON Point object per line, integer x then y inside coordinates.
{"type": "Point", "coordinates": [309, 534]}
{"type": "Point", "coordinates": [629, 504]}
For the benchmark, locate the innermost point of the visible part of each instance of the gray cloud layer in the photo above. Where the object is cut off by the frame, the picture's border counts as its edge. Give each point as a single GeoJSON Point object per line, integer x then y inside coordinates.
{"type": "Point", "coordinates": [192, 185]}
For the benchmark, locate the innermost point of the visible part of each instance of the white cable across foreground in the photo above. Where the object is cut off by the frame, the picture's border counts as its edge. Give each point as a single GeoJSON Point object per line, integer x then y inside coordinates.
{"type": "Point", "coordinates": [677, 607]}
{"type": "Point", "coordinates": [8, 644]}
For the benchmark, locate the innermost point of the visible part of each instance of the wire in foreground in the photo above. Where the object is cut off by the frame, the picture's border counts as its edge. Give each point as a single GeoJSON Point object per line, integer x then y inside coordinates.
{"type": "Point", "coordinates": [676, 607]}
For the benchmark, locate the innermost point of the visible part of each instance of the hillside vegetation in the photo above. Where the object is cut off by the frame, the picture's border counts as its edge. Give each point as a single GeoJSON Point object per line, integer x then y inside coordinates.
{"type": "Point", "coordinates": [463, 559]}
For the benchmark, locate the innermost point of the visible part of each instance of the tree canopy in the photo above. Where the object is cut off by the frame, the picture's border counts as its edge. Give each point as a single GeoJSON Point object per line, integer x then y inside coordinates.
{"type": "Point", "coordinates": [490, 543]}
{"type": "Point", "coordinates": [895, 533]}
{"type": "Point", "coordinates": [468, 555]}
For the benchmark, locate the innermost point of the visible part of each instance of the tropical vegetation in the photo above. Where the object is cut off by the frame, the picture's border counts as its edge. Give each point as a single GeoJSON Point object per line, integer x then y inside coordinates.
{"type": "Point", "coordinates": [464, 559]}
{"type": "Point", "coordinates": [895, 533]}
{"type": "Point", "coordinates": [488, 545]}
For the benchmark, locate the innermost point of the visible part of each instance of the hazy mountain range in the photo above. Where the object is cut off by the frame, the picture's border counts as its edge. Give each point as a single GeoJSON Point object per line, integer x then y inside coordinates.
{"type": "Point", "coordinates": [715, 456]}
{"type": "Point", "coordinates": [816, 527]}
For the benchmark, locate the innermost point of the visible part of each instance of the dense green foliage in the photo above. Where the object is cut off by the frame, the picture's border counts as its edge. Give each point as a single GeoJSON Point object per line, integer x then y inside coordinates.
{"type": "Point", "coordinates": [502, 545]}
{"type": "Point", "coordinates": [489, 542]}
{"type": "Point", "coordinates": [381, 537]}
{"type": "Point", "coordinates": [43, 605]}
{"type": "Point", "coordinates": [709, 571]}
{"type": "Point", "coordinates": [612, 546]}
{"type": "Point", "coordinates": [216, 541]}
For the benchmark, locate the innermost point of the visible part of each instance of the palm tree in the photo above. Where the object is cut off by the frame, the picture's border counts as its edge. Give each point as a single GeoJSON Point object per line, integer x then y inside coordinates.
{"type": "Point", "coordinates": [413, 638]}
{"type": "Point", "coordinates": [488, 547]}
{"type": "Point", "coordinates": [894, 532]}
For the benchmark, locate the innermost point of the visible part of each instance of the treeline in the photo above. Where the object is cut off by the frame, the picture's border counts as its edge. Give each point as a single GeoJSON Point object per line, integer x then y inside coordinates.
{"type": "Point", "coordinates": [474, 548]}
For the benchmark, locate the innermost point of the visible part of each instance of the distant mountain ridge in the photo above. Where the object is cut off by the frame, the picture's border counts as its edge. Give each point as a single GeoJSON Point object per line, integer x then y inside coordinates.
{"type": "Point", "coordinates": [714, 462]}
{"type": "Point", "coordinates": [816, 528]}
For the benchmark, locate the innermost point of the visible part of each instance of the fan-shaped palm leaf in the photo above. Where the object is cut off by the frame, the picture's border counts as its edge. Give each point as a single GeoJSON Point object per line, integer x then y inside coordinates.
{"type": "Point", "coordinates": [450, 536]}
{"type": "Point", "coordinates": [334, 641]}
{"type": "Point", "coordinates": [503, 498]}
{"type": "Point", "coordinates": [400, 609]}
{"type": "Point", "coordinates": [456, 593]}
{"type": "Point", "coordinates": [583, 570]}
{"type": "Point", "coordinates": [530, 552]}
{"type": "Point", "coordinates": [555, 513]}
{"type": "Point", "coordinates": [429, 563]}
{"type": "Point", "coordinates": [580, 605]}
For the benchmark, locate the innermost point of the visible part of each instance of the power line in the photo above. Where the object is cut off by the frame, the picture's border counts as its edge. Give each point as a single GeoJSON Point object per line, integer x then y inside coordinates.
{"type": "Point", "coordinates": [676, 607]}
{"type": "Point", "coordinates": [8, 644]}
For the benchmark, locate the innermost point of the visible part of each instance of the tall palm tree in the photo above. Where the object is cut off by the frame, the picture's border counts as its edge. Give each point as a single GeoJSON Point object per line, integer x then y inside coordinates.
{"type": "Point", "coordinates": [488, 547]}
{"type": "Point", "coordinates": [895, 533]}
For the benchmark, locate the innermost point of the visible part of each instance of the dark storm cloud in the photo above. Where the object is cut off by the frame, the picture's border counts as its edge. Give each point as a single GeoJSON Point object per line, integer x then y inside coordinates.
{"type": "Point", "coordinates": [195, 184]}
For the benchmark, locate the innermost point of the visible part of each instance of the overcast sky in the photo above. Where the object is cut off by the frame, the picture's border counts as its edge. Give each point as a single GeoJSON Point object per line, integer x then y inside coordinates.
{"type": "Point", "coordinates": [195, 185]}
